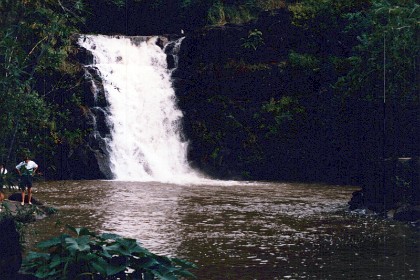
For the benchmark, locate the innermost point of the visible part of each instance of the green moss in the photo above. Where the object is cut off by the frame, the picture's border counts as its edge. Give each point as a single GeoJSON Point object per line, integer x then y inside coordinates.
{"type": "Point", "coordinates": [242, 66]}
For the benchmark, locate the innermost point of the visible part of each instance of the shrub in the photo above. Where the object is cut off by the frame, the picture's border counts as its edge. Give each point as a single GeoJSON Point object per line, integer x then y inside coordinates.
{"type": "Point", "coordinates": [87, 255]}
{"type": "Point", "coordinates": [254, 40]}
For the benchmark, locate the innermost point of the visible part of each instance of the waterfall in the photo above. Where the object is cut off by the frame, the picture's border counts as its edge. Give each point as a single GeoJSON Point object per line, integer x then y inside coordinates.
{"type": "Point", "coordinates": [144, 142]}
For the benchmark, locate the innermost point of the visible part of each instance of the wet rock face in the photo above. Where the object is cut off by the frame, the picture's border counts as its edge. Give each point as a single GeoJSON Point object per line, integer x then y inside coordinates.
{"type": "Point", "coordinates": [357, 201]}
{"type": "Point", "coordinates": [18, 197]}
{"type": "Point", "coordinates": [10, 250]}
{"type": "Point", "coordinates": [408, 213]}
{"type": "Point", "coordinates": [391, 187]}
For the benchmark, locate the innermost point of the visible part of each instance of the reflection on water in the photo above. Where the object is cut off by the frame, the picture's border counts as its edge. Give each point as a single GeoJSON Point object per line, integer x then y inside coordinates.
{"type": "Point", "coordinates": [240, 231]}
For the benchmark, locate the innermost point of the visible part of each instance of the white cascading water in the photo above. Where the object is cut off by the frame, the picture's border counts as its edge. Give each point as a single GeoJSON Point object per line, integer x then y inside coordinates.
{"type": "Point", "coordinates": [145, 142]}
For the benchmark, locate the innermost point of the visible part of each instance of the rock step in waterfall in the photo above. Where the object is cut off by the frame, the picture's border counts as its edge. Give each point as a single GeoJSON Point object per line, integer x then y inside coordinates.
{"type": "Point", "coordinates": [144, 140]}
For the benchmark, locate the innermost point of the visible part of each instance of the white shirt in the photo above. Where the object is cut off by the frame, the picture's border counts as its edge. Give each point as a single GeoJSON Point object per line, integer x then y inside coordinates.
{"type": "Point", "coordinates": [3, 169]}
{"type": "Point", "coordinates": [30, 166]}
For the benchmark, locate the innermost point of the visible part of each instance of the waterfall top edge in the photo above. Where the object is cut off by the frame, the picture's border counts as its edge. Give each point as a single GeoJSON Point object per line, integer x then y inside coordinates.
{"type": "Point", "coordinates": [160, 40]}
{"type": "Point", "coordinates": [170, 37]}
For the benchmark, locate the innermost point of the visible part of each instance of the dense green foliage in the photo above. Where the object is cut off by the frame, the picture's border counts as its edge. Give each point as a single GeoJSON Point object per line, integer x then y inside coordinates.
{"type": "Point", "coordinates": [298, 90]}
{"type": "Point", "coordinates": [87, 255]}
{"type": "Point", "coordinates": [41, 84]}
{"type": "Point", "coordinates": [308, 103]}
{"type": "Point", "coordinates": [133, 17]}
{"type": "Point", "coordinates": [297, 97]}
{"type": "Point", "coordinates": [37, 80]}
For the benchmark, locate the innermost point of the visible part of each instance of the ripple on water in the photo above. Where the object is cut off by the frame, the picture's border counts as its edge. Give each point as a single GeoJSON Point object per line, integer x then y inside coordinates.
{"type": "Point", "coordinates": [234, 231]}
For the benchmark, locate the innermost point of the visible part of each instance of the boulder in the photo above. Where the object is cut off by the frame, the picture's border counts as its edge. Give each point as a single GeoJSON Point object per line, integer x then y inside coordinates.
{"type": "Point", "coordinates": [18, 197]}
{"type": "Point", "coordinates": [407, 213]}
{"type": "Point", "coordinates": [357, 200]}
{"type": "Point", "coordinates": [10, 249]}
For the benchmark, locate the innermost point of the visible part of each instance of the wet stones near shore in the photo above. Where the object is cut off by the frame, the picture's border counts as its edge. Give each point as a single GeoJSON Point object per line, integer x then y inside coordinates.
{"type": "Point", "coordinates": [24, 213]}
{"type": "Point", "coordinates": [11, 251]}
{"type": "Point", "coordinates": [11, 213]}
{"type": "Point", "coordinates": [391, 189]}
{"type": "Point", "coordinates": [408, 213]}
{"type": "Point", "coordinates": [403, 212]}
{"type": "Point", "coordinates": [18, 197]}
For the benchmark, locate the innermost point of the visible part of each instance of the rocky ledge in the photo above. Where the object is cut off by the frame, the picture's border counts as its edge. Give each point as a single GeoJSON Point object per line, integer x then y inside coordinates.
{"type": "Point", "coordinates": [12, 213]}
{"type": "Point", "coordinates": [392, 190]}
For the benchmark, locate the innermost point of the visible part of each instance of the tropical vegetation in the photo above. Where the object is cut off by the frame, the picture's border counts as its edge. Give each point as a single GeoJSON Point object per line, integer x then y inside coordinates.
{"type": "Point", "coordinates": [87, 255]}
{"type": "Point", "coordinates": [329, 91]}
{"type": "Point", "coordinates": [314, 90]}
{"type": "Point", "coordinates": [318, 101]}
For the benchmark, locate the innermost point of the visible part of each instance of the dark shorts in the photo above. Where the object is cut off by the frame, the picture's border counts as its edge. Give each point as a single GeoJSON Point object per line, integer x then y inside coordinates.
{"type": "Point", "coordinates": [25, 181]}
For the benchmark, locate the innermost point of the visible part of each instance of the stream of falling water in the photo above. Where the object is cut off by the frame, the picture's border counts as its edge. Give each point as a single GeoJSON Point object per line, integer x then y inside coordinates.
{"type": "Point", "coordinates": [145, 142]}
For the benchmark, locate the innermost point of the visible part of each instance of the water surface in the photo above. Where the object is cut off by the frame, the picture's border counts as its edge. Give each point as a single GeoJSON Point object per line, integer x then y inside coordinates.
{"type": "Point", "coordinates": [239, 230]}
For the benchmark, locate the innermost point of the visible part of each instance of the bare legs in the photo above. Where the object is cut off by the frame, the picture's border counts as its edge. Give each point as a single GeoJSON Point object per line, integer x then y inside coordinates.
{"type": "Point", "coordinates": [23, 197]}
{"type": "Point", "coordinates": [29, 196]}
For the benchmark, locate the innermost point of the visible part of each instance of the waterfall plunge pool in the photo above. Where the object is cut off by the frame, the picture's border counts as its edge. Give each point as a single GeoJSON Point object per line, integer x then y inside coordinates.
{"type": "Point", "coordinates": [239, 230]}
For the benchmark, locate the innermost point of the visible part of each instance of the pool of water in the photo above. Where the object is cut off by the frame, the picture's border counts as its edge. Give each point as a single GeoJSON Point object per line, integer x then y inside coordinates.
{"type": "Point", "coordinates": [239, 230]}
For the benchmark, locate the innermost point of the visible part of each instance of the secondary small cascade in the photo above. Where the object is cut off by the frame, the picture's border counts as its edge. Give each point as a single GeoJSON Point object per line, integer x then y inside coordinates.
{"type": "Point", "coordinates": [144, 141]}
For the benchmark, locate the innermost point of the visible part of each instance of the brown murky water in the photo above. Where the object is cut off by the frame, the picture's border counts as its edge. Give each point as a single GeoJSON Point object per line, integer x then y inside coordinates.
{"type": "Point", "coordinates": [239, 230]}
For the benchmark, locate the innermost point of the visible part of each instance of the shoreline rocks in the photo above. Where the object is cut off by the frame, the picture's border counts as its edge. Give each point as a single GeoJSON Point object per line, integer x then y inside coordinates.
{"type": "Point", "coordinates": [11, 212]}
{"type": "Point", "coordinates": [395, 192]}
{"type": "Point", "coordinates": [10, 251]}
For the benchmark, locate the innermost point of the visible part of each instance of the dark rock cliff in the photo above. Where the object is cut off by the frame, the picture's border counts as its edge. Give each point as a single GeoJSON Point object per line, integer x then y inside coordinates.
{"type": "Point", "coordinates": [259, 103]}
{"type": "Point", "coordinates": [257, 113]}
{"type": "Point", "coordinates": [227, 79]}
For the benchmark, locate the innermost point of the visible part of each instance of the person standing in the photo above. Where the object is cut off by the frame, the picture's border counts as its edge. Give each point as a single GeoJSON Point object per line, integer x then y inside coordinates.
{"type": "Point", "coordinates": [3, 169]}
{"type": "Point", "coordinates": [26, 170]}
